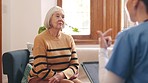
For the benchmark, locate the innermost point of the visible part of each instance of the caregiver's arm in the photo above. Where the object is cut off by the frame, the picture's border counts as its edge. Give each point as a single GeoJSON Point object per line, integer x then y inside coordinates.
{"type": "Point", "coordinates": [106, 76]}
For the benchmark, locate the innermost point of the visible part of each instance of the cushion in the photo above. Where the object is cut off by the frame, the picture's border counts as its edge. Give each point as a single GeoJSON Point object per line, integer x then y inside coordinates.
{"type": "Point", "coordinates": [30, 46]}
{"type": "Point", "coordinates": [26, 73]}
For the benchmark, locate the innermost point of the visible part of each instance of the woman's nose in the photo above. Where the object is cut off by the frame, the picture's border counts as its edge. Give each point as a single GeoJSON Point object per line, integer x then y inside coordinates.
{"type": "Point", "coordinates": [61, 18]}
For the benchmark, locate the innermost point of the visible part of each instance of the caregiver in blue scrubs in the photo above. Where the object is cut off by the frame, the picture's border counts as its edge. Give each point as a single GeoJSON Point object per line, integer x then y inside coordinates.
{"type": "Point", "coordinates": [129, 59]}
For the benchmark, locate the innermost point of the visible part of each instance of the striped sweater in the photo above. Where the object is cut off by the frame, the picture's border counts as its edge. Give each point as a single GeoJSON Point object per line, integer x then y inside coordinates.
{"type": "Point", "coordinates": [52, 55]}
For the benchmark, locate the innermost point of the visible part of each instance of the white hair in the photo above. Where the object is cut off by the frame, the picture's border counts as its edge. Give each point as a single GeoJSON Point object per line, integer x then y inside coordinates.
{"type": "Point", "coordinates": [49, 15]}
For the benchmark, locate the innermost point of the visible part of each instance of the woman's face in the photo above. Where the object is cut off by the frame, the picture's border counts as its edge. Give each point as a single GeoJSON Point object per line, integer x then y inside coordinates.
{"type": "Point", "coordinates": [131, 10]}
{"type": "Point", "coordinates": [57, 20]}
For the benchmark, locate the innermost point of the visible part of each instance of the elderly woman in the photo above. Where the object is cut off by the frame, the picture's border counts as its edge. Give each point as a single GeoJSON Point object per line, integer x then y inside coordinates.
{"type": "Point", "coordinates": [129, 59]}
{"type": "Point", "coordinates": [55, 58]}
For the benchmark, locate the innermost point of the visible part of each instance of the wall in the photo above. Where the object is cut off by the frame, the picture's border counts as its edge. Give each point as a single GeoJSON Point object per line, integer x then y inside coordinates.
{"type": "Point", "coordinates": [20, 21]}
{"type": "Point", "coordinates": [45, 6]}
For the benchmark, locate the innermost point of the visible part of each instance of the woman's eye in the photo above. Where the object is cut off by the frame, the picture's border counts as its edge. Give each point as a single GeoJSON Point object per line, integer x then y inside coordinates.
{"type": "Point", "coordinates": [58, 16]}
{"type": "Point", "coordinates": [63, 17]}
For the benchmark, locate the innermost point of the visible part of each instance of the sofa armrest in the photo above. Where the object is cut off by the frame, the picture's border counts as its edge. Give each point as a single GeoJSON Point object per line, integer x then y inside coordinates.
{"type": "Point", "coordinates": [14, 63]}
{"type": "Point", "coordinates": [86, 55]}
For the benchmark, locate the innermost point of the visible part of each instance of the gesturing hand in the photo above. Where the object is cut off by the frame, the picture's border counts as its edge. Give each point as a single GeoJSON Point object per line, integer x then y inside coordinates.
{"type": "Point", "coordinates": [104, 40]}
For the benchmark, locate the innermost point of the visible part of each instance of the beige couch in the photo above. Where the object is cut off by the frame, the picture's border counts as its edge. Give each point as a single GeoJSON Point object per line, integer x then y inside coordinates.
{"type": "Point", "coordinates": [86, 53]}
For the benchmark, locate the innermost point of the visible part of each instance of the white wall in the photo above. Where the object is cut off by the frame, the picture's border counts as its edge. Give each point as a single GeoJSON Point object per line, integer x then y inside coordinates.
{"type": "Point", "coordinates": [20, 21]}
{"type": "Point", "coordinates": [45, 6]}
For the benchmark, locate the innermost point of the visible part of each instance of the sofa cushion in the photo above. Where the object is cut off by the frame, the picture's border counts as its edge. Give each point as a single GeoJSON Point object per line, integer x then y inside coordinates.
{"type": "Point", "coordinates": [26, 73]}
{"type": "Point", "coordinates": [30, 47]}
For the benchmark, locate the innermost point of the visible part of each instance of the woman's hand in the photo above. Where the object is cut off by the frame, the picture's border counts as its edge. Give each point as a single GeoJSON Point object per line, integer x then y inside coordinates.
{"type": "Point", "coordinates": [56, 78]}
{"type": "Point", "coordinates": [104, 40]}
{"type": "Point", "coordinates": [74, 76]}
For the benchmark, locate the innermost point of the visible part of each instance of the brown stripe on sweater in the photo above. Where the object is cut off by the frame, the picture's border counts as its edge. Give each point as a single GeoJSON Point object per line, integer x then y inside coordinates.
{"type": "Point", "coordinates": [38, 72]}
{"type": "Point", "coordinates": [40, 56]}
{"type": "Point", "coordinates": [41, 63]}
{"type": "Point", "coordinates": [59, 63]}
{"type": "Point", "coordinates": [60, 56]}
{"type": "Point", "coordinates": [58, 49]}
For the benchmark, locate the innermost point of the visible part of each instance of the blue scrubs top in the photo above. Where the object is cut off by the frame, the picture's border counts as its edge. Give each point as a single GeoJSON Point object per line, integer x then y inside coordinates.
{"type": "Point", "coordinates": [129, 58]}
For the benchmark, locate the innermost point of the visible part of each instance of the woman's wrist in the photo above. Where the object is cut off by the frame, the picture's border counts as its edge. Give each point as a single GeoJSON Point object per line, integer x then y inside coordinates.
{"type": "Point", "coordinates": [61, 75]}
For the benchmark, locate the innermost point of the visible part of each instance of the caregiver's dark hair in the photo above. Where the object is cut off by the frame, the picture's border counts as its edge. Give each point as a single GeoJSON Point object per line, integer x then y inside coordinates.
{"type": "Point", "coordinates": [146, 4]}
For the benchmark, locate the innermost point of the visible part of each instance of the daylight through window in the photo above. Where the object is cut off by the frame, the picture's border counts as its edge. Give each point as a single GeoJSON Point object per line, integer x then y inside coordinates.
{"type": "Point", "coordinates": [77, 15]}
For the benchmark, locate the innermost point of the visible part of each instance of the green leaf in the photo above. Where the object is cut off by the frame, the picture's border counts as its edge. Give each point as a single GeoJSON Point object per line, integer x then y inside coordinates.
{"type": "Point", "coordinates": [41, 29]}
{"type": "Point", "coordinates": [75, 29]}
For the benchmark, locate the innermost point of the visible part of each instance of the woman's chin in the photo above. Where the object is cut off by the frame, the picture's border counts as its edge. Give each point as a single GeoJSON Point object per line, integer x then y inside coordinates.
{"type": "Point", "coordinates": [60, 27]}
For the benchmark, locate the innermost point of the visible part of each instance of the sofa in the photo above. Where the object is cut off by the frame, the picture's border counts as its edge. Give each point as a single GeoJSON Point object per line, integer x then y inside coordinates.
{"type": "Point", "coordinates": [14, 63]}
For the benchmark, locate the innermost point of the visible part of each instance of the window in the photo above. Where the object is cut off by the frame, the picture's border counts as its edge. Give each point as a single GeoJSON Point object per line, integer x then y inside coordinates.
{"type": "Point", "coordinates": [77, 15]}
{"type": "Point", "coordinates": [104, 14]}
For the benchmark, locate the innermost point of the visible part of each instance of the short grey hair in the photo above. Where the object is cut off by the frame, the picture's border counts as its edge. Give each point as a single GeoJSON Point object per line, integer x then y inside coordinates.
{"type": "Point", "coordinates": [49, 15]}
